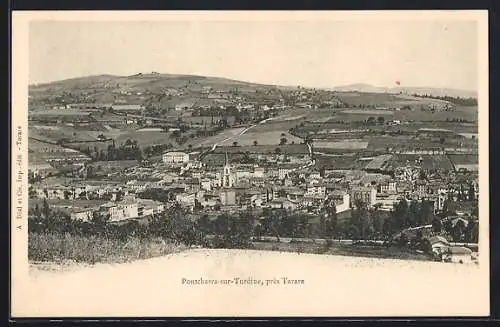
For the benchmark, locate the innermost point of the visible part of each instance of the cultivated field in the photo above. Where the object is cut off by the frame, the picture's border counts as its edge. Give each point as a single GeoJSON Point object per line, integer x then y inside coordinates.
{"type": "Point", "coordinates": [263, 138]}
{"type": "Point", "coordinates": [428, 161]}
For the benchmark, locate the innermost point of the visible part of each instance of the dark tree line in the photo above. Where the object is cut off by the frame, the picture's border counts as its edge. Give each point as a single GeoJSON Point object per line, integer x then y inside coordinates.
{"type": "Point", "coordinates": [461, 101]}
{"type": "Point", "coordinates": [129, 150]}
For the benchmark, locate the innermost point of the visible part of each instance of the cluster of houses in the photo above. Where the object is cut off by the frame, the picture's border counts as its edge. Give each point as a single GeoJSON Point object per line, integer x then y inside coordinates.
{"type": "Point", "coordinates": [194, 185]}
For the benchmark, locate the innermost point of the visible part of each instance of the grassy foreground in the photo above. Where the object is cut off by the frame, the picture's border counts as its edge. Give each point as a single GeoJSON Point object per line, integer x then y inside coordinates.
{"type": "Point", "coordinates": [56, 247]}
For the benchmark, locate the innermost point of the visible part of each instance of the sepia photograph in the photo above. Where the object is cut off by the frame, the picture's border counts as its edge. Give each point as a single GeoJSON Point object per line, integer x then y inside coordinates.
{"type": "Point", "coordinates": [245, 164]}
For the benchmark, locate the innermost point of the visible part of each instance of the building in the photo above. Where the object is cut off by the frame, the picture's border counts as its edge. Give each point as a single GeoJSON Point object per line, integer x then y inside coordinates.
{"type": "Point", "coordinates": [117, 211]}
{"type": "Point", "coordinates": [227, 197]}
{"type": "Point", "coordinates": [457, 254]}
{"type": "Point", "coordinates": [128, 107]}
{"type": "Point", "coordinates": [184, 106]}
{"type": "Point", "coordinates": [365, 194]}
{"type": "Point", "coordinates": [282, 203]}
{"type": "Point", "coordinates": [387, 202]}
{"type": "Point", "coordinates": [341, 199]}
{"type": "Point", "coordinates": [388, 187]}
{"type": "Point", "coordinates": [258, 172]}
{"type": "Point", "coordinates": [316, 189]}
{"type": "Point", "coordinates": [438, 244]}
{"type": "Point", "coordinates": [175, 157]}
{"type": "Point", "coordinates": [40, 168]}
{"type": "Point", "coordinates": [421, 188]}
{"type": "Point", "coordinates": [82, 214]}
{"type": "Point", "coordinates": [147, 207]}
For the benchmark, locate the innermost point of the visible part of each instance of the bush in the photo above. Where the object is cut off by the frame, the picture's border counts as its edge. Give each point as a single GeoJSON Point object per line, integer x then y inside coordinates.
{"type": "Point", "coordinates": [92, 249]}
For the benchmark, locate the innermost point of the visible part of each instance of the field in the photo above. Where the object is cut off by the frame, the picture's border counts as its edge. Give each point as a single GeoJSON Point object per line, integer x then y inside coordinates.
{"type": "Point", "coordinates": [385, 99]}
{"type": "Point", "coordinates": [225, 136]}
{"type": "Point", "coordinates": [263, 138]}
{"type": "Point", "coordinates": [349, 144]}
{"type": "Point", "coordinates": [367, 112]}
{"type": "Point", "coordinates": [336, 162]}
{"type": "Point", "coordinates": [55, 133]}
{"type": "Point", "coordinates": [428, 161]}
{"type": "Point", "coordinates": [463, 159]}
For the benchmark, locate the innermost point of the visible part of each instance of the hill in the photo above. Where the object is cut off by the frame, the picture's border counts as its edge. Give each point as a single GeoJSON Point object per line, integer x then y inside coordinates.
{"type": "Point", "coordinates": [438, 92]}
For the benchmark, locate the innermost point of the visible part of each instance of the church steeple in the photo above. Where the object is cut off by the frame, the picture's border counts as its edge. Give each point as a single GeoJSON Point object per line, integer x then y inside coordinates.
{"type": "Point", "coordinates": [227, 176]}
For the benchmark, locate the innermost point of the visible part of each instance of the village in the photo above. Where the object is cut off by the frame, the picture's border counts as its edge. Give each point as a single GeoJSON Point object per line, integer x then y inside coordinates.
{"type": "Point", "coordinates": [230, 152]}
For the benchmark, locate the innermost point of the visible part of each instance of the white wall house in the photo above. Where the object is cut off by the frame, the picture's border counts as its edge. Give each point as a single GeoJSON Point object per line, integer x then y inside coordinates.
{"type": "Point", "coordinates": [175, 157]}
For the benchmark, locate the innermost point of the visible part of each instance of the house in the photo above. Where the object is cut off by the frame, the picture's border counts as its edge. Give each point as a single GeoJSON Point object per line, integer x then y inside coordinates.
{"type": "Point", "coordinates": [175, 157]}
{"type": "Point", "coordinates": [421, 188]}
{"type": "Point", "coordinates": [184, 106]}
{"type": "Point", "coordinates": [312, 200]}
{"type": "Point", "coordinates": [365, 194]}
{"type": "Point", "coordinates": [127, 107]}
{"type": "Point", "coordinates": [40, 168]}
{"type": "Point", "coordinates": [341, 199]}
{"type": "Point", "coordinates": [388, 187]}
{"type": "Point", "coordinates": [122, 210]}
{"type": "Point", "coordinates": [315, 175]}
{"type": "Point", "coordinates": [251, 199]}
{"type": "Point", "coordinates": [206, 184]}
{"type": "Point", "coordinates": [387, 202]}
{"type": "Point", "coordinates": [149, 207]}
{"type": "Point", "coordinates": [295, 195]}
{"type": "Point", "coordinates": [316, 189]}
{"type": "Point", "coordinates": [82, 214]}
{"type": "Point", "coordinates": [283, 172]}
{"type": "Point", "coordinates": [457, 254]}
{"type": "Point", "coordinates": [438, 244]}
{"type": "Point", "coordinates": [258, 172]}
{"type": "Point", "coordinates": [282, 203]}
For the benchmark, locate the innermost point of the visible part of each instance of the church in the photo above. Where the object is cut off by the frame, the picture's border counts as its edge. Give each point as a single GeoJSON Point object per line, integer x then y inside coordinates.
{"type": "Point", "coordinates": [228, 177]}
{"type": "Point", "coordinates": [227, 195]}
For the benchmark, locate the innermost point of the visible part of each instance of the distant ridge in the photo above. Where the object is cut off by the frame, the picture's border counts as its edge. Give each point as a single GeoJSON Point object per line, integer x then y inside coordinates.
{"type": "Point", "coordinates": [93, 80]}
{"type": "Point", "coordinates": [433, 91]}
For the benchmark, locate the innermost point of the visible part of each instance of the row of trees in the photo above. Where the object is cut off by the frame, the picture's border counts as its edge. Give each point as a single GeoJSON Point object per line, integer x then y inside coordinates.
{"type": "Point", "coordinates": [461, 101]}
{"type": "Point", "coordinates": [129, 150]}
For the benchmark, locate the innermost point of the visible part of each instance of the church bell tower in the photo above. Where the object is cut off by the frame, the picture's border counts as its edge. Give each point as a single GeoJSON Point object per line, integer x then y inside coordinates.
{"type": "Point", "coordinates": [227, 177]}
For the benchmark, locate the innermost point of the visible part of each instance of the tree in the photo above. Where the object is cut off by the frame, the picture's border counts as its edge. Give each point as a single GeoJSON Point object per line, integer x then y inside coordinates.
{"type": "Point", "coordinates": [472, 192]}
{"type": "Point", "coordinates": [449, 207]}
{"type": "Point", "coordinates": [277, 151]}
{"type": "Point", "coordinates": [458, 231]}
{"type": "Point", "coordinates": [426, 213]}
{"type": "Point", "coordinates": [235, 143]}
{"type": "Point", "coordinates": [471, 233]}
{"type": "Point", "coordinates": [436, 225]}
{"type": "Point", "coordinates": [255, 143]}
{"type": "Point", "coordinates": [447, 226]}
{"type": "Point", "coordinates": [100, 219]}
{"type": "Point", "coordinates": [283, 141]}
{"type": "Point", "coordinates": [362, 220]}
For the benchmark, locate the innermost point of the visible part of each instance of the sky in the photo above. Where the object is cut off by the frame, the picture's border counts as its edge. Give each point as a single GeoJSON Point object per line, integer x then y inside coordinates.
{"type": "Point", "coordinates": [428, 53]}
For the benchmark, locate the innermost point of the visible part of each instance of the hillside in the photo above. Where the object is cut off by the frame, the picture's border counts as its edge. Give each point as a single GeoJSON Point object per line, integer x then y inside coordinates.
{"type": "Point", "coordinates": [141, 82]}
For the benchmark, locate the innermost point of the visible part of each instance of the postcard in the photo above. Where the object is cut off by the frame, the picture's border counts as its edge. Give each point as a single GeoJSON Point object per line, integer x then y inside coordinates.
{"type": "Point", "coordinates": [250, 164]}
